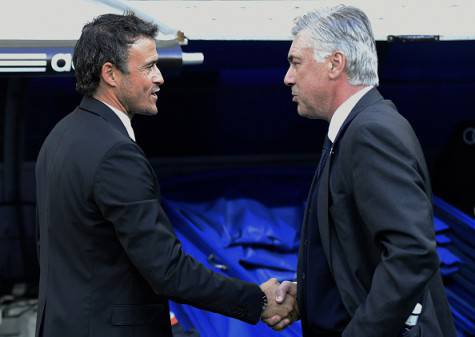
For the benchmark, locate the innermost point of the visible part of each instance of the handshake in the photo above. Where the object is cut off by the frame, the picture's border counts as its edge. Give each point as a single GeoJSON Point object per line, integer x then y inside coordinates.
{"type": "Point", "coordinates": [281, 309]}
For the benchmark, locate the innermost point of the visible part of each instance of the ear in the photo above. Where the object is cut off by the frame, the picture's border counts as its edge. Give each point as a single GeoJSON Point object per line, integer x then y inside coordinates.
{"type": "Point", "coordinates": [337, 65]}
{"type": "Point", "coordinates": [109, 74]}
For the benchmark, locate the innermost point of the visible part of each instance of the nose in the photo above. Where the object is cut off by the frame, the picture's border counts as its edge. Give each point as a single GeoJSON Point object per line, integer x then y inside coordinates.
{"type": "Point", "coordinates": [289, 78]}
{"type": "Point", "coordinates": [157, 77]}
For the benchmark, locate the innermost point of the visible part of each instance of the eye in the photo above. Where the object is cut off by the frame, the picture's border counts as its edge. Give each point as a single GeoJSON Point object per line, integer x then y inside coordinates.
{"type": "Point", "coordinates": [149, 68]}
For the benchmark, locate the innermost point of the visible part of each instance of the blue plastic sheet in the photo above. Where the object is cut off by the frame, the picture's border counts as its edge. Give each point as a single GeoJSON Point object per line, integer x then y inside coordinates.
{"type": "Point", "coordinates": [442, 240]}
{"type": "Point", "coordinates": [245, 224]}
{"type": "Point", "coordinates": [458, 264]}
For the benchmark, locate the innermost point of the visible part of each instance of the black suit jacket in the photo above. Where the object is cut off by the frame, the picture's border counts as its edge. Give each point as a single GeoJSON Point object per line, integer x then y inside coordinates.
{"type": "Point", "coordinates": [376, 226]}
{"type": "Point", "coordinates": [108, 255]}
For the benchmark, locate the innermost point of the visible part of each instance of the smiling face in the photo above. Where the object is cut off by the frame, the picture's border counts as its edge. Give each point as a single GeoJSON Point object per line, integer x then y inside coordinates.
{"type": "Point", "coordinates": [137, 90]}
{"type": "Point", "coordinates": [309, 80]}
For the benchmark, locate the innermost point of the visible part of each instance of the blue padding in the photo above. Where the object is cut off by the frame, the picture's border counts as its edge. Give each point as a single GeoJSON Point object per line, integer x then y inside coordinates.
{"type": "Point", "coordinates": [243, 221]}
{"type": "Point", "coordinates": [247, 207]}
{"type": "Point", "coordinates": [461, 249]}
{"type": "Point", "coordinates": [463, 322]}
{"type": "Point", "coordinates": [465, 286]}
{"type": "Point", "coordinates": [447, 257]}
{"type": "Point", "coordinates": [464, 307]}
{"type": "Point", "coordinates": [439, 225]}
{"type": "Point", "coordinates": [449, 262]}
{"type": "Point", "coordinates": [245, 224]}
{"type": "Point", "coordinates": [456, 213]}
{"type": "Point", "coordinates": [461, 288]}
{"type": "Point", "coordinates": [449, 271]}
{"type": "Point", "coordinates": [462, 225]}
{"type": "Point", "coordinates": [442, 240]}
{"type": "Point", "coordinates": [255, 257]}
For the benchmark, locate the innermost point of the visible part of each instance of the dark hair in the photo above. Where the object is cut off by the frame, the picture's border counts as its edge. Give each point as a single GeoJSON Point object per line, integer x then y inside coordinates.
{"type": "Point", "coordinates": [106, 39]}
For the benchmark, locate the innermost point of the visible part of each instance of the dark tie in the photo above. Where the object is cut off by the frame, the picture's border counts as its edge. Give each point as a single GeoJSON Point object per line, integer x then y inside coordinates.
{"type": "Point", "coordinates": [323, 308]}
{"type": "Point", "coordinates": [327, 146]}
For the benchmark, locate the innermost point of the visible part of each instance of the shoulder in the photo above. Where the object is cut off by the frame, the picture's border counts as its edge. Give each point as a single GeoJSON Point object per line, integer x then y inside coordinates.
{"type": "Point", "coordinates": [382, 119]}
{"type": "Point", "coordinates": [125, 159]}
{"type": "Point", "coordinates": [84, 140]}
{"type": "Point", "coordinates": [378, 129]}
{"type": "Point", "coordinates": [124, 167]}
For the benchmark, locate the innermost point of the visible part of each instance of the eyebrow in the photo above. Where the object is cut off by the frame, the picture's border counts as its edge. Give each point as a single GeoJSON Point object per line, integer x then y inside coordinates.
{"type": "Point", "coordinates": [291, 58]}
{"type": "Point", "coordinates": [155, 60]}
{"type": "Point", "coordinates": [149, 63]}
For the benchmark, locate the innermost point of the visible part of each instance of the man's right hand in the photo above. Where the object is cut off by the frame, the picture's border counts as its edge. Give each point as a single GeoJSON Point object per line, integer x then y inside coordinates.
{"type": "Point", "coordinates": [285, 290]}
{"type": "Point", "coordinates": [281, 304]}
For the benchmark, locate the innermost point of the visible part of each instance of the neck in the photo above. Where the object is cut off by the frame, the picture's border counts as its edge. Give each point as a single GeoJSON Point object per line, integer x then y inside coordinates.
{"type": "Point", "coordinates": [112, 100]}
{"type": "Point", "coordinates": [342, 94]}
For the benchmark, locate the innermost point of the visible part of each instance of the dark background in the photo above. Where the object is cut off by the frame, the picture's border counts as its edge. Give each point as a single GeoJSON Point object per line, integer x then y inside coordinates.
{"type": "Point", "coordinates": [235, 109]}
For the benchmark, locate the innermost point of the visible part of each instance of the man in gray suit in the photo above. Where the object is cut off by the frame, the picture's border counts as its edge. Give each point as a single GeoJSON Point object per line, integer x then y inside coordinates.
{"type": "Point", "coordinates": [109, 259]}
{"type": "Point", "coordinates": [367, 261]}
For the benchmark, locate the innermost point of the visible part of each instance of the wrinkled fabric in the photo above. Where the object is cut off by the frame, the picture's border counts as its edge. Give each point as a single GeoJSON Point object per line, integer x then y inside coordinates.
{"type": "Point", "coordinates": [246, 223]}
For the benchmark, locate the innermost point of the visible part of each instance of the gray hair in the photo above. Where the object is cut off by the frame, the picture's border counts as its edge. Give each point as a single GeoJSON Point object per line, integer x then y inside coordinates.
{"type": "Point", "coordinates": [345, 29]}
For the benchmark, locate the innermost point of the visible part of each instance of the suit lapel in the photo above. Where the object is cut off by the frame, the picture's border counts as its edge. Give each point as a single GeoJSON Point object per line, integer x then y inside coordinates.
{"type": "Point", "coordinates": [98, 108]}
{"type": "Point", "coordinates": [303, 233]}
{"type": "Point", "coordinates": [370, 98]}
{"type": "Point", "coordinates": [322, 209]}
{"type": "Point", "coordinates": [308, 203]}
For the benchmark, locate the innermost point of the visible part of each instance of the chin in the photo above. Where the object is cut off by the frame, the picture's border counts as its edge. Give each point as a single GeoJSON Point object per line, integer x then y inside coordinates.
{"type": "Point", "coordinates": [147, 112]}
{"type": "Point", "coordinates": [310, 113]}
{"type": "Point", "coordinates": [303, 113]}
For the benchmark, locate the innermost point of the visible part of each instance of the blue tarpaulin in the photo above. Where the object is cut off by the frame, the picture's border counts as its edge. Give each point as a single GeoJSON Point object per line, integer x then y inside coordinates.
{"type": "Point", "coordinates": [245, 223]}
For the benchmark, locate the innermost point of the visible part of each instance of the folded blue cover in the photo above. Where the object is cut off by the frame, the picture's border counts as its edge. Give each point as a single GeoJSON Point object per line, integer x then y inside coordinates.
{"type": "Point", "coordinates": [246, 224]}
{"type": "Point", "coordinates": [442, 240]}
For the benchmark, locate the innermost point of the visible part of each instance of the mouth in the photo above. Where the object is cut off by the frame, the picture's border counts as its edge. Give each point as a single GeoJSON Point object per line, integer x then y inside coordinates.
{"type": "Point", "coordinates": [155, 93]}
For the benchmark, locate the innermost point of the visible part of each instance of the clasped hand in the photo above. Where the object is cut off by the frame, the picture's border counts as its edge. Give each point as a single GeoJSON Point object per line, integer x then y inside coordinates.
{"type": "Point", "coordinates": [281, 309]}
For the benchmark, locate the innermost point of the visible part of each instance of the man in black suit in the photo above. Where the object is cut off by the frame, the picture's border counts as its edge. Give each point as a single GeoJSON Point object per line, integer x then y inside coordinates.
{"type": "Point", "coordinates": [108, 256]}
{"type": "Point", "coordinates": [367, 262]}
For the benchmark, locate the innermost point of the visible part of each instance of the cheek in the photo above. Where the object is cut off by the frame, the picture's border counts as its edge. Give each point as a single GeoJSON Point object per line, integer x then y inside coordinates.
{"type": "Point", "coordinates": [306, 83]}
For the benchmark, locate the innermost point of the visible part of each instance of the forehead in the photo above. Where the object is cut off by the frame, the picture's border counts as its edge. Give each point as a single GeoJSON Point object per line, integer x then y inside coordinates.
{"type": "Point", "coordinates": [143, 50]}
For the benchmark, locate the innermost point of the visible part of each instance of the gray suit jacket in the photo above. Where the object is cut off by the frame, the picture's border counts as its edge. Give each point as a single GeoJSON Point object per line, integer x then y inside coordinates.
{"type": "Point", "coordinates": [376, 226]}
{"type": "Point", "coordinates": [109, 259]}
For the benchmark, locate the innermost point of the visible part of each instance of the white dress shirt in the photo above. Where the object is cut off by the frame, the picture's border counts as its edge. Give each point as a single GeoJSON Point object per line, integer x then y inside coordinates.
{"type": "Point", "coordinates": [125, 120]}
{"type": "Point", "coordinates": [343, 111]}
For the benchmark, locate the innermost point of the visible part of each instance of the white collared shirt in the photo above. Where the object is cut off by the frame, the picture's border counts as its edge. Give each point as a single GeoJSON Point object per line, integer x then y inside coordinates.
{"type": "Point", "coordinates": [343, 111]}
{"type": "Point", "coordinates": [125, 120]}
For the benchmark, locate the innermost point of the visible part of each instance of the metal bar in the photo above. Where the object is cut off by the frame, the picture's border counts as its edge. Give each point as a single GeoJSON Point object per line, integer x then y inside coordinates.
{"type": "Point", "coordinates": [23, 56]}
{"type": "Point", "coordinates": [23, 70]}
{"type": "Point", "coordinates": [20, 63]}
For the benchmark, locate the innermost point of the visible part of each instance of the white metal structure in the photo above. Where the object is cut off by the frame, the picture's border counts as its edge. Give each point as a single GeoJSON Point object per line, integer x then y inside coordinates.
{"type": "Point", "coordinates": [235, 20]}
